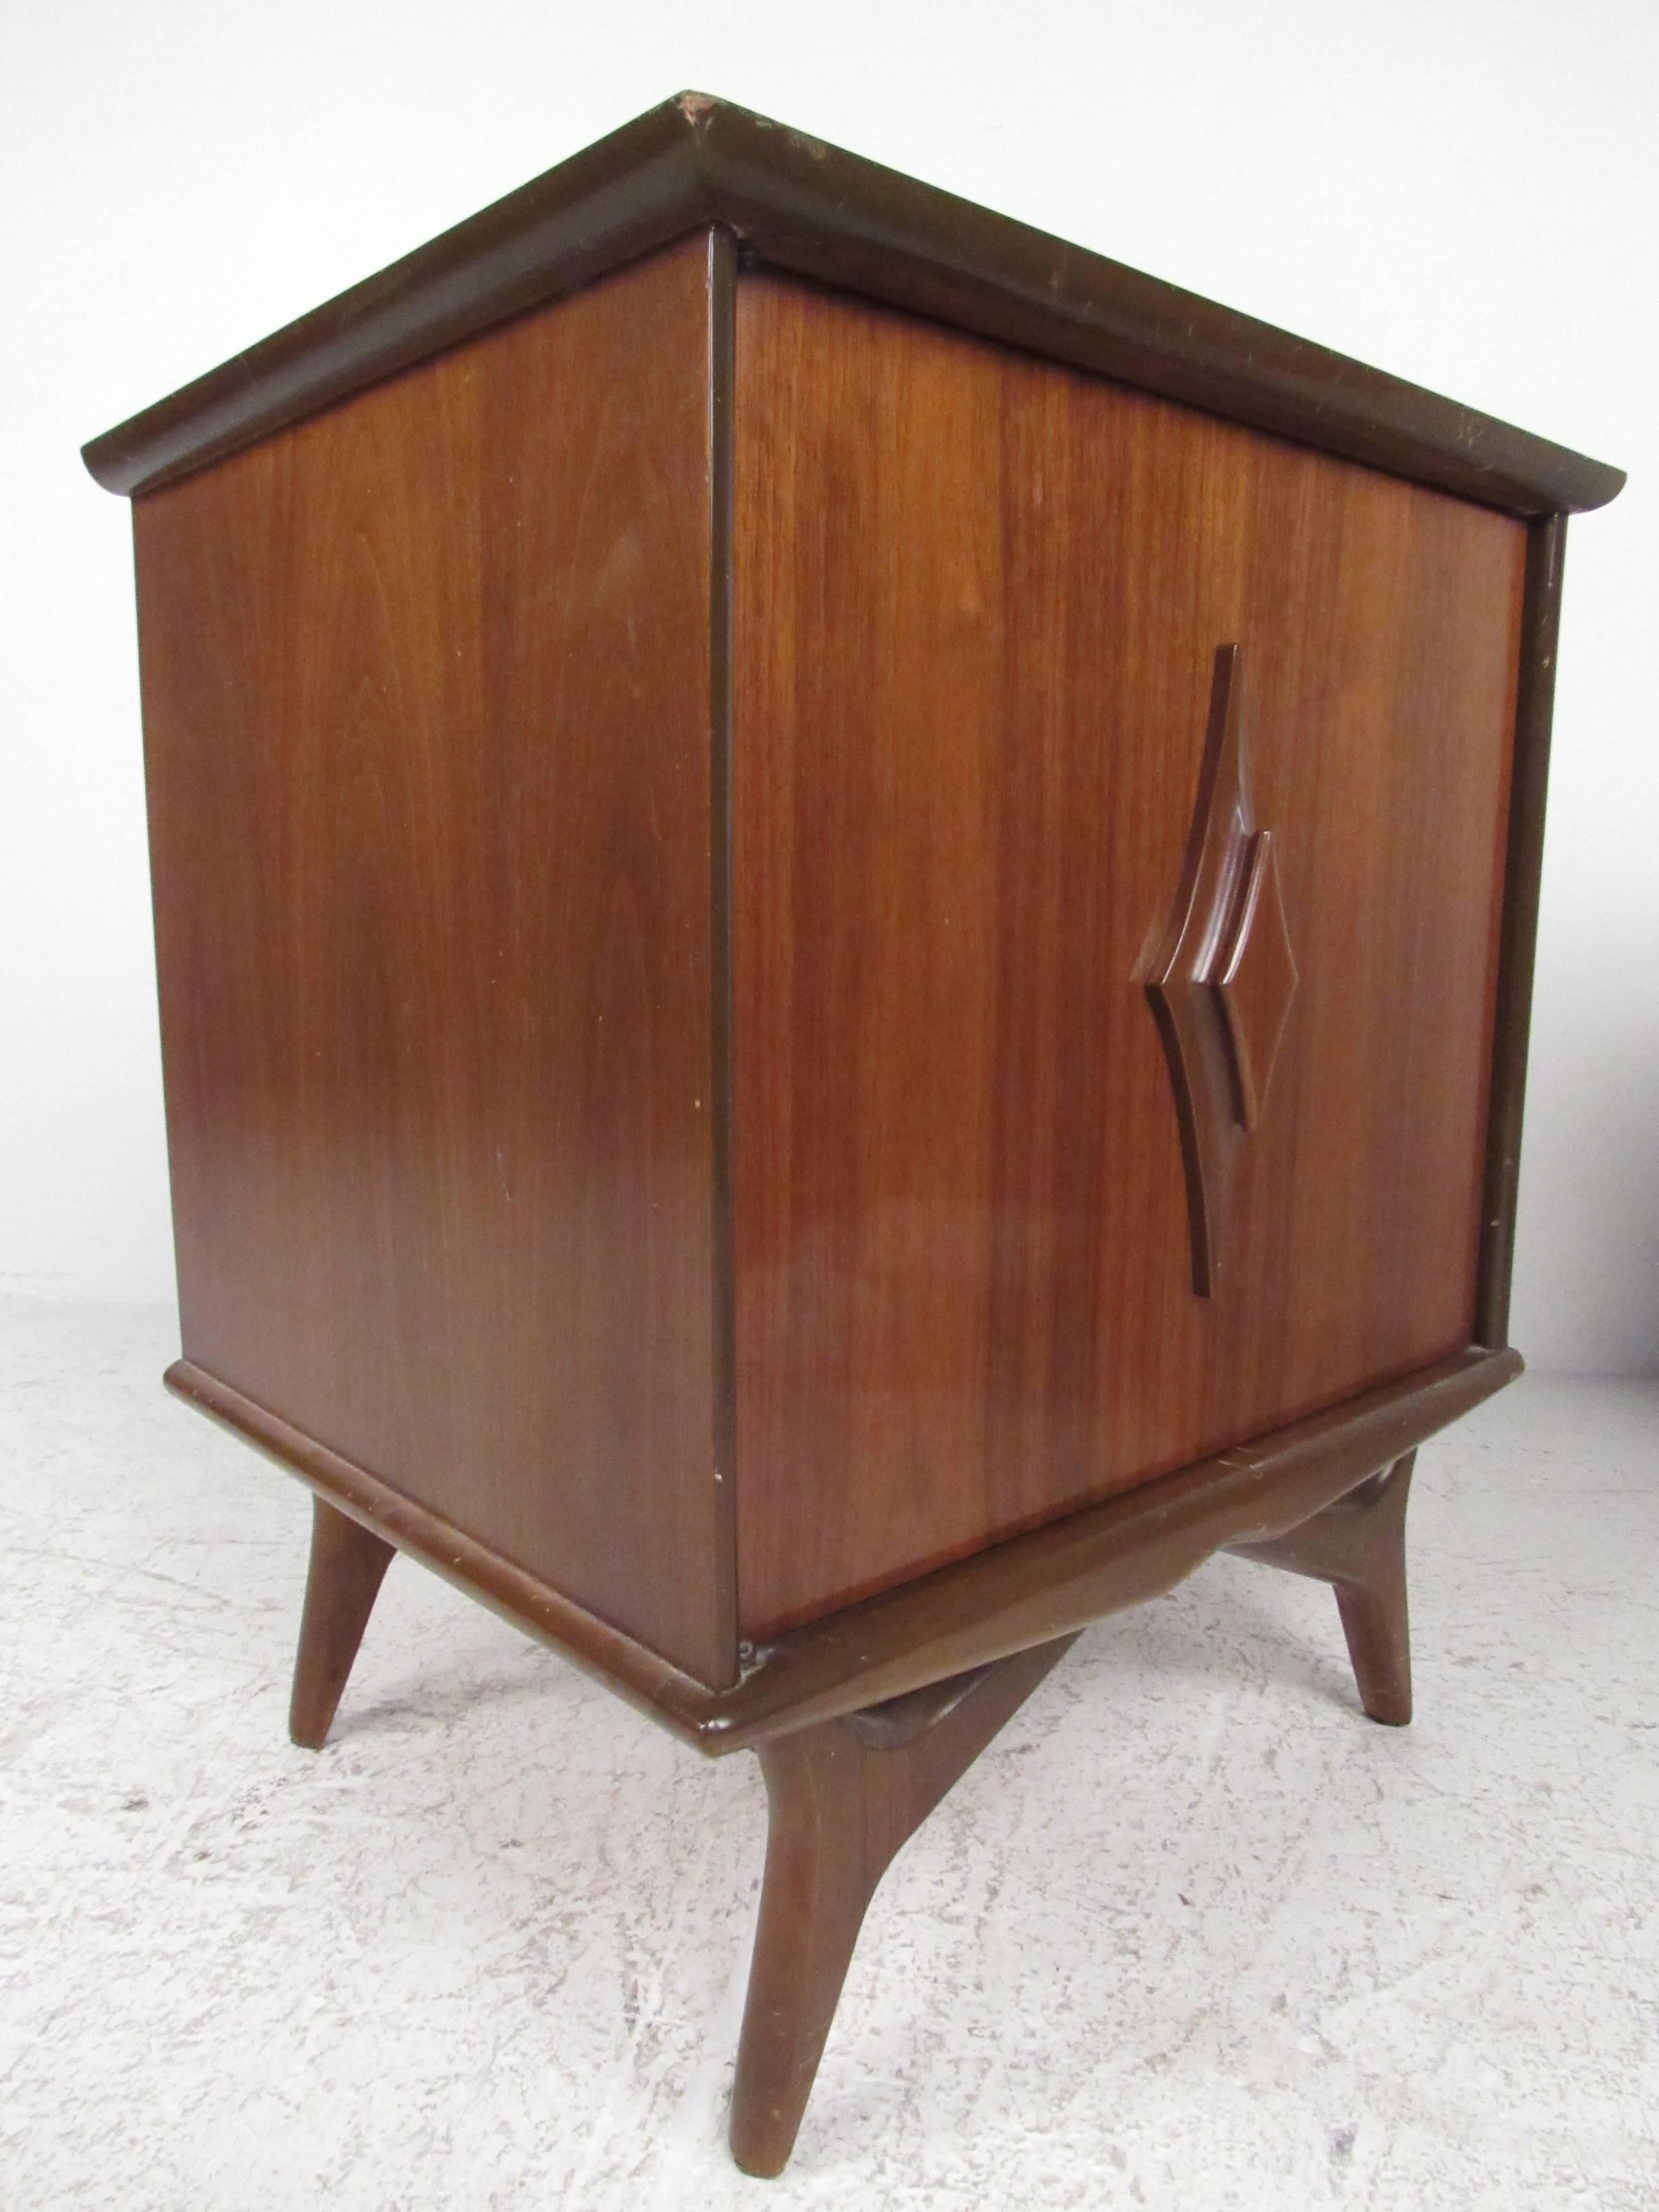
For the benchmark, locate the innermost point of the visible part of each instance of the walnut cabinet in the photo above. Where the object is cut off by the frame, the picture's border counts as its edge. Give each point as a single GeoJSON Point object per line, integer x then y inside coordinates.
{"type": "Point", "coordinates": [844, 905]}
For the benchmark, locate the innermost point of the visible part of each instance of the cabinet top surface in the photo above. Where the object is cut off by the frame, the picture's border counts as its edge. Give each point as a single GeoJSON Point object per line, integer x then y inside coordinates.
{"type": "Point", "coordinates": [797, 204]}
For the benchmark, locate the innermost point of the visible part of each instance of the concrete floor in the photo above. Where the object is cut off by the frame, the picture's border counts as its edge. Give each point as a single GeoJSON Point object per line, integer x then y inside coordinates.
{"type": "Point", "coordinates": [1193, 1934]}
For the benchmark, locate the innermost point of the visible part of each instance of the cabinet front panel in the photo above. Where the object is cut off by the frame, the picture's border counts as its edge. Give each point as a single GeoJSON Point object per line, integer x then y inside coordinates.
{"type": "Point", "coordinates": [978, 605]}
{"type": "Point", "coordinates": [427, 721]}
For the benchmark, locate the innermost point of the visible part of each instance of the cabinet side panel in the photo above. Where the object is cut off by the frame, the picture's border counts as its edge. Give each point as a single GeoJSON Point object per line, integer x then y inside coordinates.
{"type": "Point", "coordinates": [426, 688]}
{"type": "Point", "coordinates": [979, 598]}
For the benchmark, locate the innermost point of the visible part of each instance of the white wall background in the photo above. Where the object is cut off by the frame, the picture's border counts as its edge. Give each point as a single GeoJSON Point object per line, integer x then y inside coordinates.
{"type": "Point", "coordinates": [1464, 191]}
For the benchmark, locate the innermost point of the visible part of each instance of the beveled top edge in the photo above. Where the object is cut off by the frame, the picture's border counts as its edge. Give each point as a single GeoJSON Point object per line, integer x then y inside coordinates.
{"type": "Point", "coordinates": [811, 208]}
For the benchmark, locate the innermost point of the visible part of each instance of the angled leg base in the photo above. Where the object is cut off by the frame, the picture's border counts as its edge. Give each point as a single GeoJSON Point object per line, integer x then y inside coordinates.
{"type": "Point", "coordinates": [347, 1565]}
{"type": "Point", "coordinates": [1358, 1546]}
{"type": "Point", "coordinates": [843, 1797]}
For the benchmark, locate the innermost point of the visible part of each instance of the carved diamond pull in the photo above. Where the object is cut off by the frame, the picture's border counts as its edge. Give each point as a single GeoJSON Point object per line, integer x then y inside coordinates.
{"type": "Point", "coordinates": [1222, 980]}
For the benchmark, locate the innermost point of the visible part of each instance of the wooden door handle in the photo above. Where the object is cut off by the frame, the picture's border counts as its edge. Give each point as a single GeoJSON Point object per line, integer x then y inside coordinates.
{"type": "Point", "coordinates": [1222, 980]}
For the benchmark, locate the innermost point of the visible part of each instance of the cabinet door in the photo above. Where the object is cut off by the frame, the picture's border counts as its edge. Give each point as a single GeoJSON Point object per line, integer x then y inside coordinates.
{"type": "Point", "coordinates": [979, 601]}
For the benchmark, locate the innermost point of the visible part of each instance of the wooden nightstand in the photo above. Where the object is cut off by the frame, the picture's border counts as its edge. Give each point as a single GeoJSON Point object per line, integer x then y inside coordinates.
{"type": "Point", "coordinates": [844, 902]}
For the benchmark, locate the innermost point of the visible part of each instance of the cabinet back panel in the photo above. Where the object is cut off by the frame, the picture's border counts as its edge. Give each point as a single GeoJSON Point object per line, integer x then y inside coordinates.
{"type": "Point", "coordinates": [427, 715]}
{"type": "Point", "coordinates": [977, 601]}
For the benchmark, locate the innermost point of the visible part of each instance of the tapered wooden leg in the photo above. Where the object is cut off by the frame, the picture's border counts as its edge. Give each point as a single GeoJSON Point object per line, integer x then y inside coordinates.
{"type": "Point", "coordinates": [842, 1798]}
{"type": "Point", "coordinates": [347, 1565]}
{"type": "Point", "coordinates": [1359, 1545]}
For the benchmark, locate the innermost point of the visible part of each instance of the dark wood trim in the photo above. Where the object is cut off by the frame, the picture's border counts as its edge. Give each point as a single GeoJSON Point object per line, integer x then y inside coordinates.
{"type": "Point", "coordinates": [722, 355]}
{"type": "Point", "coordinates": [1078, 1569]}
{"type": "Point", "coordinates": [1022, 1593]}
{"type": "Point", "coordinates": [636, 189]}
{"type": "Point", "coordinates": [1541, 621]}
{"type": "Point", "coordinates": [800, 205]}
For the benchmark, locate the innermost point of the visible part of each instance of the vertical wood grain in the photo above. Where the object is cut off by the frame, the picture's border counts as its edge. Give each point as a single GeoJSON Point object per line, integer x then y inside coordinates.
{"type": "Point", "coordinates": [426, 691]}
{"type": "Point", "coordinates": [977, 602]}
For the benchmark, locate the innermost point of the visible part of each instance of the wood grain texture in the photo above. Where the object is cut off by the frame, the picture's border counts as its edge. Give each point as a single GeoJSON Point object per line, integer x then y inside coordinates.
{"type": "Point", "coordinates": [1035, 1587]}
{"type": "Point", "coordinates": [426, 694]}
{"type": "Point", "coordinates": [801, 205]}
{"type": "Point", "coordinates": [977, 602]}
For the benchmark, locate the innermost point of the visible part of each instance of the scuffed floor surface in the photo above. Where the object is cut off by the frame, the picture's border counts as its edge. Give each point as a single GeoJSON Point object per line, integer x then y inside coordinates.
{"type": "Point", "coordinates": [1193, 1934]}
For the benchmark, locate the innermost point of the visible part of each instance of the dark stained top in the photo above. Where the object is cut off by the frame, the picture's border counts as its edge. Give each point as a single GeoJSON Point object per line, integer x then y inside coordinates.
{"type": "Point", "coordinates": [797, 204]}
